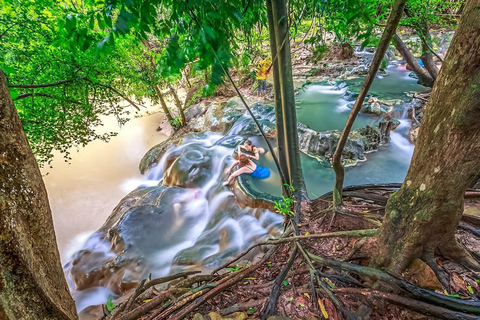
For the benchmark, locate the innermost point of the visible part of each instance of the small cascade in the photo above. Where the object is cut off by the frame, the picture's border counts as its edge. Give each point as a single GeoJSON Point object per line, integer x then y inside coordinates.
{"type": "Point", "coordinates": [179, 217]}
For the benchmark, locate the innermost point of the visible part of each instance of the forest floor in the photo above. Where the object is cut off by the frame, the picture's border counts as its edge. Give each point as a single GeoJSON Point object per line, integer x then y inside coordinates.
{"type": "Point", "coordinates": [326, 290]}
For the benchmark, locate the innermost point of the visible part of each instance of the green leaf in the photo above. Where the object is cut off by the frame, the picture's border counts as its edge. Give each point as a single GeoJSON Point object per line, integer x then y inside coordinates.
{"type": "Point", "coordinates": [251, 310]}
{"type": "Point", "coordinates": [110, 306]}
{"type": "Point", "coordinates": [100, 21]}
{"type": "Point", "coordinates": [285, 283]}
{"type": "Point", "coordinates": [91, 23]}
{"type": "Point", "coordinates": [469, 288]}
{"type": "Point", "coordinates": [454, 296]}
{"type": "Point", "coordinates": [13, 93]}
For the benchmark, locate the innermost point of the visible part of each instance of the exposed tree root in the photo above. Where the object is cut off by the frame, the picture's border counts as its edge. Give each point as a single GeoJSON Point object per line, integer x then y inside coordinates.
{"type": "Point", "coordinates": [242, 306]}
{"type": "Point", "coordinates": [421, 294]}
{"type": "Point", "coordinates": [271, 305]}
{"type": "Point", "coordinates": [418, 306]}
{"type": "Point", "coordinates": [238, 276]}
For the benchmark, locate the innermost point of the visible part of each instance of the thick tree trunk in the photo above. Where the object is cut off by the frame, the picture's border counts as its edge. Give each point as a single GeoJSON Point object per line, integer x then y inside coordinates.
{"type": "Point", "coordinates": [293, 168]}
{"type": "Point", "coordinates": [160, 97]}
{"type": "Point", "coordinates": [424, 214]}
{"type": "Point", "coordinates": [178, 104]}
{"type": "Point", "coordinates": [424, 77]}
{"type": "Point", "coordinates": [32, 283]}
{"type": "Point", "coordinates": [387, 35]}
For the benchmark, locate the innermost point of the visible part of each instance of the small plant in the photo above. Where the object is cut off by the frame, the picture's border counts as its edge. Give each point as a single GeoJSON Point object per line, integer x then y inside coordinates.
{"type": "Point", "coordinates": [285, 206]}
{"type": "Point", "coordinates": [234, 268]}
{"type": "Point", "coordinates": [176, 122]}
{"type": "Point", "coordinates": [110, 305]}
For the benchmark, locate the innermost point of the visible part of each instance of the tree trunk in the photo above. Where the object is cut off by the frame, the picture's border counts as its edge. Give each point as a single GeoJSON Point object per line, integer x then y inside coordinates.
{"type": "Point", "coordinates": [424, 214]}
{"type": "Point", "coordinates": [427, 55]}
{"type": "Point", "coordinates": [277, 92]}
{"type": "Point", "coordinates": [160, 97]}
{"type": "Point", "coordinates": [178, 104]}
{"type": "Point", "coordinates": [424, 77]}
{"type": "Point", "coordinates": [293, 166]}
{"type": "Point", "coordinates": [32, 283]}
{"type": "Point", "coordinates": [387, 35]}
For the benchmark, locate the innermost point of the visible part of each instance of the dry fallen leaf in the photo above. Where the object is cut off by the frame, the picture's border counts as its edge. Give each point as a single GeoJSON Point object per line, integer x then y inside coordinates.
{"type": "Point", "coordinates": [322, 308]}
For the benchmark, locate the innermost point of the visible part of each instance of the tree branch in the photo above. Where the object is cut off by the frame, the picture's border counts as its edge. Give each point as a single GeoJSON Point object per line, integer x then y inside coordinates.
{"type": "Point", "coordinates": [44, 85]}
{"type": "Point", "coordinates": [31, 94]}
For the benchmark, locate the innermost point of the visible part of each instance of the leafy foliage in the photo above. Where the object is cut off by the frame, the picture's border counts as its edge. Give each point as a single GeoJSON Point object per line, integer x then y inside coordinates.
{"type": "Point", "coordinates": [285, 206]}
{"type": "Point", "coordinates": [61, 93]}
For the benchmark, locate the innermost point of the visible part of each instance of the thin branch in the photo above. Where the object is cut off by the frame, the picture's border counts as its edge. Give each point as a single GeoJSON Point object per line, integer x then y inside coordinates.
{"type": "Point", "coordinates": [44, 85]}
{"type": "Point", "coordinates": [116, 91]}
{"type": "Point", "coordinates": [31, 94]}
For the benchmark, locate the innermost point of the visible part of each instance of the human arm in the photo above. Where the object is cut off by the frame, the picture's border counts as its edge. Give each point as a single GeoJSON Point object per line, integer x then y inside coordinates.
{"type": "Point", "coordinates": [234, 175]}
{"type": "Point", "coordinates": [239, 149]}
{"type": "Point", "coordinates": [256, 154]}
{"type": "Point", "coordinates": [227, 171]}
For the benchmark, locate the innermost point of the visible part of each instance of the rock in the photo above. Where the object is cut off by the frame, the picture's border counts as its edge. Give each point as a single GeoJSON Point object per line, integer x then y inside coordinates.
{"type": "Point", "coordinates": [386, 125]}
{"type": "Point", "coordinates": [374, 108]}
{"type": "Point", "coordinates": [321, 145]}
{"type": "Point", "coordinates": [424, 274]}
{"type": "Point", "coordinates": [190, 169]}
{"type": "Point", "coordinates": [342, 51]}
{"type": "Point", "coordinates": [153, 156]}
{"type": "Point", "coordinates": [195, 111]}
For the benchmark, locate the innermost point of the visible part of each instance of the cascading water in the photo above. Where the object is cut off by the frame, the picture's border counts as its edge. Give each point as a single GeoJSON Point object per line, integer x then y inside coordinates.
{"type": "Point", "coordinates": [182, 217]}
{"type": "Point", "coordinates": [187, 219]}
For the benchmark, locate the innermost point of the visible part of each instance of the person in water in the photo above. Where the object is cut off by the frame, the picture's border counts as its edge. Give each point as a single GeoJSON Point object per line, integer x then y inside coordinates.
{"type": "Point", "coordinates": [247, 166]}
{"type": "Point", "coordinates": [249, 147]}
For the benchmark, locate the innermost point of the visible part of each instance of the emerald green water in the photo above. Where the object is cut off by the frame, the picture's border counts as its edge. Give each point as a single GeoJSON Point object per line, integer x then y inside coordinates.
{"type": "Point", "coordinates": [323, 108]}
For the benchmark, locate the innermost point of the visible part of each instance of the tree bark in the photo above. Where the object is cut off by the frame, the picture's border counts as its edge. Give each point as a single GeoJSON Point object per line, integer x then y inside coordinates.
{"type": "Point", "coordinates": [424, 78]}
{"type": "Point", "coordinates": [159, 94]}
{"type": "Point", "coordinates": [427, 55]}
{"type": "Point", "coordinates": [293, 166]}
{"type": "Point", "coordinates": [387, 35]}
{"type": "Point", "coordinates": [277, 92]}
{"type": "Point", "coordinates": [178, 104]}
{"type": "Point", "coordinates": [424, 214]}
{"type": "Point", "coordinates": [32, 283]}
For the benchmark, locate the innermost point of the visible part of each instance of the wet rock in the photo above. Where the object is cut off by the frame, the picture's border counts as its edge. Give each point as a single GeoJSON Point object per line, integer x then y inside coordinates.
{"type": "Point", "coordinates": [322, 145]}
{"type": "Point", "coordinates": [91, 269]}
{"type": "Point", "coordinates": [374, 108]}
{"type": "Point", "coordinates": [153, 156]}
{"type": "Point", "coordinates": [424, 274]}
{"type": "Point", "coordinates": [386, 125]}
{"type": "Point", "coordinates": [264, 114]}
{"type": "Point", "coordinates": [190, 169]}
